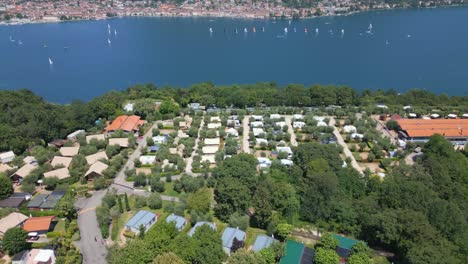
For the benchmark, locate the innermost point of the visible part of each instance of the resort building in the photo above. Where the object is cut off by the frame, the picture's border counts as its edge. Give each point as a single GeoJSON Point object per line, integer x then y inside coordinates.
{"type": "Point", "coordinates": [198, 224]}
{"type": "Point", "coordinates": [125, 123]}
{"type": "Point", "coordinates": [142, 218]}
{"type": "Point", "coordinates": [229, 235]}
{"type": "Point", "coordinates": [419, 130]}
{"type": "Point", "coordinates": [179, 221]}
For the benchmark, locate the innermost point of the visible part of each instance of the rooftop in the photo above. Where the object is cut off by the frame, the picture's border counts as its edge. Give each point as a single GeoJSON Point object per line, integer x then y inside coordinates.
{"type": "Point", "coordinates": [125, 123]}
{"type": "Point", "coordinates": [69, 151]}
{"type": "Point", "coordinates": [11, 220]}
{"type": "Point", "coordinates": [63, 161]}
{"type": "Point", "coordinates": [35, 224]}
{"type": "Point", "coordinates": [141, 218]}
{"type": "Point", "coordinates": [96, 137]}
{"type": "Point", "coordinates": [91, 159]}
{"type": "Point", "coordinates": [262, 242]}
{"type": "Point", "coordinates": [429, 127]}
{"type": "Point", "coordinates": [178, 220]}
{"type": "Point", "coordinates": [121, 142]}
{"type": "Point", "coordinates": [61, 174]}
{"type": "Point", "coordinates": [198, 224]}
{"type": "Point", "coordinates": [229, 234]}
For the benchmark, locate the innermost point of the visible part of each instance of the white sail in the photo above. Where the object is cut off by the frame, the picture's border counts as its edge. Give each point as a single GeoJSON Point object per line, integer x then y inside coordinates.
{"type": "Point", "coordinates": [285, 30]}
{"type": "Point", "coordinates": [115, 32]}
{"type": "Point", "coordinates": [211, 30]}
{"type": "Point", "coordinates": [50, 61]}
{"type": "Point", "coordinates": [109, 41]}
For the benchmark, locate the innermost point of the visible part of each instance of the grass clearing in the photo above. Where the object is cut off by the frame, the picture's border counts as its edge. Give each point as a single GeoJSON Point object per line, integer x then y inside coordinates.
{"type": "Point", "coordinates": [252, 234]}
{"type": "Point", "coordinates": [60, 226]}
{"type": "Point", "coordinates": [169, 189]}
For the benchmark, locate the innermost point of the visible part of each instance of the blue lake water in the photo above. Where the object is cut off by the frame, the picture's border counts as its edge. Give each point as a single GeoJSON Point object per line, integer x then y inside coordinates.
{"type": "Point", "coordinates": [407, 49]}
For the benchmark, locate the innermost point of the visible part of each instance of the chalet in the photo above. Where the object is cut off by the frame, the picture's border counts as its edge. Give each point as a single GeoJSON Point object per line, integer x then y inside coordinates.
{"type": "Point", "coordinates": [69, 151]}
{"type": "Point", "coordinates": [45, 201]}
{"type": "Point", "coordinates": [212, 141]}
{"type": "Point", "coordinates": [198, 224]}
{"type": "Point", "coordinates": [4, 168]}
{"type": "Point", "coordinates": [91, 159]}
{"type": "Point", "coordinates": [61, 161]}
{"type": "Point", "coordinates": [60, 174]}
{"type": "Point", "coordinates": [233, 123]}
{"type": "Point", "coordinates": [74, 136]}
{"type": "Point", "coordinates": [285, 149]}
{"type": "Point", "coordinates": [23, 172]}
{"type": "Point", "coordinates": [344, 246]}
{"type": "Point", "coordinates": [179, 221]}
{"type": "Point", "coordinates": [258, 131]}
{"type": "Point", "coordinates": [298, 117]}
{"type": "Point", "coordinates": [281, 124]}
{"type": "Point", "coordinates": [210, 149]}
{"type": "Point", "coordinates": [286, 162]}
{"type": "Point", "coordinates": [263, 162]}
{"type": "Point", "coordinates": [98, 137]}
{"type": "Point", "coordinates": [7, 157]}
{"type": "Point", "coordinates": [160, 139]}
{"type": "Point", "coordinates": [210, 158]}
{"type": "Point", "coordinates": [299, 124]}
{"type": "Point", "coordinates": [35, 256]}
{"type": "Point", "coordinates": [231, 132]}
{"type": "Point", "coordinates": [349, 129]}
{"type": "Point", "coordinates": [58, 143]}
{"type": "Point", "coordinates": [147, 160]}
{"type": "Point", "coordinates": [256, 124]}
{"type": "Point", "coordinates": [297, 253]}
{"type": "Point", "coordinates": [10, 221]}
{"type": "Point", "coordinates": [275, 116]}
{"type": "Point", "coordinates": [215, 119]}
{"type": "Point", "coordinates": [257, 117]}
{"type": "Point", "coordinates": [121, 142]}
{"type": "Point", "coordinates": [262, 242]}
{"type": "Point", "coordinates": [142, 218]}
{"type": "Point", "coordinates": [96, 170]}
{"type": "Point", "coordinates": [214, 125]}
{"type": "Point", "coordinates": [259, 141]}
{"type": "Point", "coordinates": [321, 124]}
{"type": "Point", "coordinates": [15, 200]}
{"type": "Point", "coordinates": [229, 236]}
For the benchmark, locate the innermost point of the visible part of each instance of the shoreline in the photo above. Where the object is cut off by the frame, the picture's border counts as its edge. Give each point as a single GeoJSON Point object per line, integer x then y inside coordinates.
{"type": "Point", "coordinates": [245, 17]}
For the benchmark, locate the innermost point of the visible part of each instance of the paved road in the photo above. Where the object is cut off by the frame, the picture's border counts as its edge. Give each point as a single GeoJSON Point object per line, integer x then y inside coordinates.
{"type": "Point", "coordinates": [288, 120]}
{"type": "Point", "coordinates": [188, 168]}
{"type": "Point", "coordinates": [346, 150]}
{"type": "Point", "coordinates": [120, 178]}
{"type": "Point", "coordinates": [94, 252]}
{"type": "Point", "coordinates": [245, 134]}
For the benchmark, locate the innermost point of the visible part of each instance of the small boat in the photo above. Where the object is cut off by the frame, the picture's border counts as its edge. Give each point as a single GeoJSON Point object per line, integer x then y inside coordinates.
{"type": "Point", "coordinates": [108, 26]}
{"type": "Point", "coordinates": [342, 32]}
{"type": "Point", "coordinates": [386, 42]}
{"type": "Point", "coordinates": [295, 30]}
{"type": "Point", "coordinates": [254, 30]}
{"type": "Point", "coordinates": [316, 30]}
{"type": "Point", "coordinates": [263, 29]}
{"type": "Point", "coordinates": [236, 31]}
{"type": "Point", "coordinates": [109, 31]}
{"type": "Point", "coordinates": [11, 39]}
{"type": "Point", "coordinates": [305, 30]}
{"type": "Point", "coordinates": [20, 42]}
{"type": "Point", "coordinates": [370, 27]}
{"type": "Point", "coordinates": [50, 62]}
{"type": "Point", "coordinates": [115, 32]}
{"type": "Point", "coordinates": [44, 45]}
{"type": "Point", "coordinates": [109, 41]}
{"type": "Point", "coordinates": [286, 30]}
{"type": "Point", "coordinates": [289, 22]}
{"type": "Point", "coordinates": [409, 36]}
{"type": "Point", "coordinates": [211, 30]}
{"type": "Point", "coordinates": [280, 36]}
{"type": "Point", "coordinates": [246, 30]}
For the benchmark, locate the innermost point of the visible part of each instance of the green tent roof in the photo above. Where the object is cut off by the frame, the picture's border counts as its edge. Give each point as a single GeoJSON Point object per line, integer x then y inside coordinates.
{"type": "Point", "coordinates": [345, 242]}
{"type": "Point", "coordinates": [293, 252]}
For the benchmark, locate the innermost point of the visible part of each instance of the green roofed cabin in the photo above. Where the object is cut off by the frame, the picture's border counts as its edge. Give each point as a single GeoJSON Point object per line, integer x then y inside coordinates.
{"type": "Point", "coordinates": [344, 246]}
{"type": "Point", "coordinates": [297, 253]}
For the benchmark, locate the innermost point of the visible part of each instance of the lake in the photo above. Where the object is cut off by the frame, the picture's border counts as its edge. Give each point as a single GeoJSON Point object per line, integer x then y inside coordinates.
{"type": "Point", "coordinates": [405, 49]}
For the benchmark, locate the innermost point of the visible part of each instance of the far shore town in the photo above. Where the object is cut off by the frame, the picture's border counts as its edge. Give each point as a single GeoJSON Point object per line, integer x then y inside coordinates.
{"type": "Point", "coordinates": [13, 12]}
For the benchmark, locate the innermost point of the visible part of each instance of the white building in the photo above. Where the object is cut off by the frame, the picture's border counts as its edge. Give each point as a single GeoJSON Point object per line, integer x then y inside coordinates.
{"type": "Point", "coordinates": [214, 125]}
{"type": "Point", "coordinates": [159, 139]}
{"type": "Point", "coordinates": [256, 124]}
{"type": "Point", "coordinates": [259, 141]}
{"type": "Point", "coordinates": [258, 131]}
{"type": "Point", "coordinates": [129, 107]}
{"type": "Point", "coordinates": [299, 124]}
{"type": "Point", "coordinates": [321, 124]}
{"type": "Point", "coordinates": [73, 136]}
{"type": "Point", "coordinates": [285, 149]}
{"type": "Point", "coordinates": [287, 162]}
{"type": "Point", "coordinates": [232, 132]}
{"type": "Point", "coordinates": [349, 129]}
{"type": "Point", "coordinates": [298, 117]}
{"type": "Point", "coordinates": [257, 117]}
{"type": "Point", "coordinates": [263, 162]}
{"type": "Point", "coordinates": [275, 116]}
{"type": "Point", "coordinates": [146, 160]}
{"type": "Point", "coordinates": [281, 124]}
{"type": "Point", "coordinates": [7, 157]}
{"type": "Point", "coordinates": [356, 136]}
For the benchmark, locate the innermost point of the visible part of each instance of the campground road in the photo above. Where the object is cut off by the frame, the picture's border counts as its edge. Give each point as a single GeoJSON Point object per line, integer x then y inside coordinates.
{"type": "Point", "coordinates": [245, 134]}
{"type": "Point", "coordinates": [92, 246]}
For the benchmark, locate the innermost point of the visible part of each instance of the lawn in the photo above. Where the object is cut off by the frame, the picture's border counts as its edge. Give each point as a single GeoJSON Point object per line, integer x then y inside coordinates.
{"type": "Point", "coordinates": [169, 189]}
{"type": "Point", "coordinates": [60, 226]}
{"type": "Point", "coordinates": [252, 234]}
{"type": "Point", "coordinates": [118, 224]}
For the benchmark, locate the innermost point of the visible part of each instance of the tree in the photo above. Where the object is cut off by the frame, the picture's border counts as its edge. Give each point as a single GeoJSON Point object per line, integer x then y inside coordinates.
{"type": "Point", "coordinates": [328, 241]}
{"type": "Point", "coordinates": [168, 258]}
{"type": "Point", "coordinates": [243, 256]}
{"type": "Point", "coordinates": [208, 246]}
{"type": "Point", "coordinates": [200, 201]}
{"type": "Point", "coordinates": [140, 202]}
{"type": "Point", "coordinates": [127, 205]}
{"type": "Point", "coordinates": [119, 202]}
{"type": "Point", "coordinates": [231, 196]}
{"type": "Point", "coordinates": [155, 201]}
{"type": "Point", "coordinates": [6, 187]}
{"type": "Point", "coordinates": [236, 245]}
{"type": "Point", "coordinates": [283, 230]}
{"type": "Point", "coordinates": [262, 205]}
{"type": "Point", "coordinates": [361, 248]}
{"type": "Point", "coordinates": [326, 256]}
{"type": "Point", "coordinates": [239, 221]}
{"type": "Point", "coordinates": [359, 259]}
{"type": "Point", "coordinates": [14, 240]}
{"type": "Point", "coordinates": [141, 232]}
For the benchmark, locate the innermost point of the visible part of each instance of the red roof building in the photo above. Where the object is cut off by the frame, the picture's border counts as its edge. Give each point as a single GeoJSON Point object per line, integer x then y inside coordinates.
{"type": "Point", "coordinates": [125, 123]}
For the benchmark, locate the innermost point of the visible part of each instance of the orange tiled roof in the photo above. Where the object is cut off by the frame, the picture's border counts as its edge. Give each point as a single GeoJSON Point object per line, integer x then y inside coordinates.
{"type": "Point", "coordinates": [125, 123]}
{"type": "Point", "coordinates": [429, 127]}
{"type": "Point", "coordinates": [34, 224]}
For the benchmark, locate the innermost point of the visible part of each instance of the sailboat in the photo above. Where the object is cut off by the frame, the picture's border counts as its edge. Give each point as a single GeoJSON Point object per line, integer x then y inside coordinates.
{"type": "Point", "coordinates": [237, 32]}
{"type": "Point", "coordinates": [11, 39]}
{"type": "Point", "coordinates": [109, 41]}
{"type": "Point", "coordinates": [108, 26]}
{"type": "Point", "coordinates": [342, 32]}
{"type": "Point", "coordinates": [50, 62]}
{"type": "Point", "coordinates": [20, 42]}
{"type": "Point", "coordinates": [246, 30]}
{"type": "Point", "coordinates": [115, 32]}
{"type": "Point", "coordinates": [370, 27]}
{"type": "Point", "coordinates": [109, 31]}
{"type": "Point", "coordinates": [254, 30]}
{"type": "Point", "coordinates": [263, 29]}
{"type": "Point", "coordinates": [316, 30]}
{"type": "Point", "coordinates": [211, 30]}
{"type": "Point", "coordinates": [286, 30]}
{"type": "Point", "coordinates": [305, 30]}
{"type": "Point", "coordinates": [386, 42]}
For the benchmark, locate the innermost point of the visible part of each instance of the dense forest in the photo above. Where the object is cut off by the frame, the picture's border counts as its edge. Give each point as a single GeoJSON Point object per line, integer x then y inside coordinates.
{"type": "Point", "coordinates": [27, 120]}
